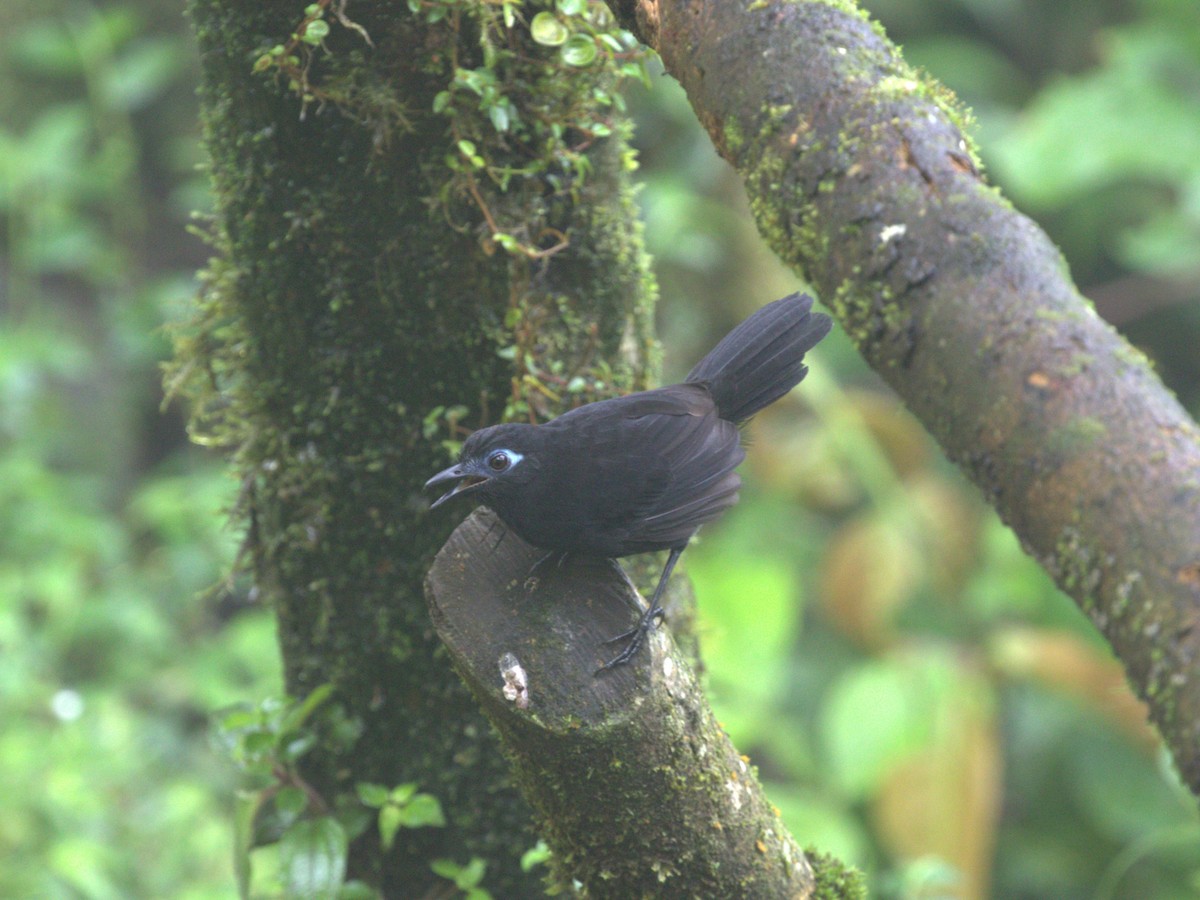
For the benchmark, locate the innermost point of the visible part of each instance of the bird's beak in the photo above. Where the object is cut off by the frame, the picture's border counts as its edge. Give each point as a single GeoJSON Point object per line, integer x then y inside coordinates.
{"type": "Point", "coordinates": [468, 480]}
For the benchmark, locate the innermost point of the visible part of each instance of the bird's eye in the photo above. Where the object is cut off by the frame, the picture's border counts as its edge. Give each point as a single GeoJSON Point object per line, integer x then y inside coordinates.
{"type": "Point", "coordinates": [498, 461]}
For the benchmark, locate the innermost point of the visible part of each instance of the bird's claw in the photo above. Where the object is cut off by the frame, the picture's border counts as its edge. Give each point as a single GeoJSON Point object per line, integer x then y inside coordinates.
{"type": "Point", "coordinates": [634, 637]}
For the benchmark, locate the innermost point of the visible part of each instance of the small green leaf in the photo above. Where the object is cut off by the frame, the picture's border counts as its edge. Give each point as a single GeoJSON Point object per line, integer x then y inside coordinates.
{"type": "Point", "coordinates": [499, 116]}
{"type": "Point", "coordinates": [472, 873]}
{"type": "Point", "coordinates": [446, 868]}
{"type": "Point", "coordinates": [512, 245]}
{"type": "Point", "coordinates": [245, 812]}
{"type": "Point", "coordinates": [547, 30]}
{"type": "Point", "coordinates": [291, 801]}
{"type": "Point", "coordinates": [402, 793]}
{"type": "Point", "coordinates": [312, 856]}
{"type": "Point", "coordinates": [579, 50]}
{"type": "Point", "coordinates": [299, 713]}
{"type": "Point", "coordinates": [295, 748]}
{"type": "Point", "coordinates": [572, 7]}
{"type": "Point", "coordinates": [374, 795]}
{"type": "Point", "coordinates": [391, 817]}
{"type": "Point", "coordinates": [259, 742]}
{"type": "Point", "coordinates": [465, 878]}
{"type": "Point", "coordinates": [423, 810]}
{"type": "Point", "coordinates": [536, 855]}
{"type": "Point", "coordinates": [315, 32]}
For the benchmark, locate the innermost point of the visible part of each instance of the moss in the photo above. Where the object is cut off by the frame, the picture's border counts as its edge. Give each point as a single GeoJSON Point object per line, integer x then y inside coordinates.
{"type": "Point", "coordinates": [1078, 364]}
{"type": "Point", "coordinates": [734, 139]}
{"type": "Point", "coordinates": [833, 879]}
{"type": "Point", "coordinates": [349, 269]}
{"type": "Point", "coordinates": [1076, 435]}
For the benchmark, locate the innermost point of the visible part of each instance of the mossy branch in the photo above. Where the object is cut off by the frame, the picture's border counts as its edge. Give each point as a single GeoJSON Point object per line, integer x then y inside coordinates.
{"type": "Point", "coordinates": [862, 176]}
{"type": "Point", "coordinates": [639, 791]}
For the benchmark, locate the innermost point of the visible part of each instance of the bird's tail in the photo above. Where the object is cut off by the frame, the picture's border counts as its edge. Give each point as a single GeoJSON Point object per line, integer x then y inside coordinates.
{"type": "Point", "coordinates": [763, 358]}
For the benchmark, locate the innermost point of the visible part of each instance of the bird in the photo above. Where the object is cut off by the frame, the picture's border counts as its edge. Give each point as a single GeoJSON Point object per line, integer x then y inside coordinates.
{"type": "Point", "coordinates": [644, 471]}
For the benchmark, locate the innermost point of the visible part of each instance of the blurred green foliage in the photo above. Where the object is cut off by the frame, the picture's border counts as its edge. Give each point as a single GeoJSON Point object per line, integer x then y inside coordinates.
{"type": "Point", "coordinates": [118, 635]}
{"type": "Point", "coordinates": [918, 697]}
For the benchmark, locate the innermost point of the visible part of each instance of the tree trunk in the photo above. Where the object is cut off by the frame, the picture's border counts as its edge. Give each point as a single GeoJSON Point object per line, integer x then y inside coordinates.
{"type": "Point", "coordinates": [362, 293]}
{"type": "Point", "coordinates": [860, 175]}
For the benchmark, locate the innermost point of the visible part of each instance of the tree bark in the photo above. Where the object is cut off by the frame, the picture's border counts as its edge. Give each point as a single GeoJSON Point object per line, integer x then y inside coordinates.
{"type": "Point", "coordinates": [638, 791]}
{"type": "Point", "coordinates": [358, 295]}
{"type": "Point", "coordinates": [861, 175]}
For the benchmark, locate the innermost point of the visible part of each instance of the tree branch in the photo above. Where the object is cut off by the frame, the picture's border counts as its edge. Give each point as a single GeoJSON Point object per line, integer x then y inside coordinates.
{"type": "Point", "coordinates": [860, 175]}
{"type": "Point", "coordinates": [638, 790]}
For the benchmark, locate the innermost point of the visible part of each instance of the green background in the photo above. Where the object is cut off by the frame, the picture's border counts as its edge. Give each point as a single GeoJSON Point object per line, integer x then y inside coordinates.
{"type": "Point", "coordinates": [917, 696]}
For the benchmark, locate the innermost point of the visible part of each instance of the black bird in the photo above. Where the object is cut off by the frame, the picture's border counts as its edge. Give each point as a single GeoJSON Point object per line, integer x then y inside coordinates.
{"type": "Point", "coordinates": [641, 472]}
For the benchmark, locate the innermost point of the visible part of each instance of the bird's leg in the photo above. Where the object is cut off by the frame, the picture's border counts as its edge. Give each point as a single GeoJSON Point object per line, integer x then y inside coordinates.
{"type": "Point", "coordinates": [654, 611]}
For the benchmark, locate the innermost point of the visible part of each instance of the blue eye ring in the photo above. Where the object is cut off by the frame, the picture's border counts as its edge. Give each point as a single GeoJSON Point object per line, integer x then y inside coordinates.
{"type": "Point", "coordinates": [498, 461]}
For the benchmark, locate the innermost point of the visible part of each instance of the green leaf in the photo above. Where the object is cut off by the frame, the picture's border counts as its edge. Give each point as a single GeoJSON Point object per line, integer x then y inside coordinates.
{"type": "Point", "coordinates": [548, 31]}
{"type": "Point", "coordinates": [391, 817]}
{"type": "Point", "coordinates": [312, 855]}
{"type": "Point", "coordinates": [142, 73]}
{"type": "Point", "coordinates": [579, 51]}
{"type": "Point", "coordinates": [299, 714]}
{"type": "Point", "coordinates": [421, 811]}
{"type": "Point", "coordinates": [315, 32]}
{"type": "Point", "coordinates": [499, 116]}
{"type": "Point", "coordinates": [536, 855]}
{"type": "Point", "coordinates": [46, 48]}
{"type": "Point", "coordinates": [245, 812]}
{"type": "Point", "coordinates": [259, 742]}
{"type": "Point", "coordinates": [441, 100]}
{"type": "Point", "coordinates": [446, 868]}
{"type": "Point", "coordinates": [291, 801]}
{"type": "Point", "coordinates": [402, 793]}
{"type": "Point", "coordinates": [472, 873]}
{"type": "Point", "coordinates": [374, 795]}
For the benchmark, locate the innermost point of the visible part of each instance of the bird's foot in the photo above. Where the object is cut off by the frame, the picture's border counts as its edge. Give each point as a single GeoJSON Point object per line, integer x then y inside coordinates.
{"type": "Point", "coordinates": [633, 639]}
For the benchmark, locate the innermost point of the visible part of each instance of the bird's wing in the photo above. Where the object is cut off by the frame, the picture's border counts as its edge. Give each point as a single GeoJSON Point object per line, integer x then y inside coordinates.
{"type": "Point", "coordinates": [660, 465]}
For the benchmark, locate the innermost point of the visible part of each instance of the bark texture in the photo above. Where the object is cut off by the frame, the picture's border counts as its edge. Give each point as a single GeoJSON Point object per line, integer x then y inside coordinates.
{"type": "Point", "coordinates": [357, 296]}
{"type": "Point", "coordinates": [638, 790]}
{"type": "Point", "coordinates": [861, 176]}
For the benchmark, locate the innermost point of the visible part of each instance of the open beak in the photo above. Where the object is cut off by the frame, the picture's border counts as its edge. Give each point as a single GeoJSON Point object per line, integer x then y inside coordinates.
{"type": "Point", "coordinates": [464, 473]}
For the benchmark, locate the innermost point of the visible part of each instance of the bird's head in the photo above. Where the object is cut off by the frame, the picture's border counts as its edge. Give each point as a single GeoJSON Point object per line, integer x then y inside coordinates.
{"type": "Point", "coordinates": [493, 461]}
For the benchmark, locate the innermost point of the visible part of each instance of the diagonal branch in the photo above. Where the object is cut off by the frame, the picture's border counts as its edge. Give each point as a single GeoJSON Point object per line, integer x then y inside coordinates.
{"type": "Point", "coordinates": [640, 793]}
{"type": "Point", "coordinates": [860, 175]}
